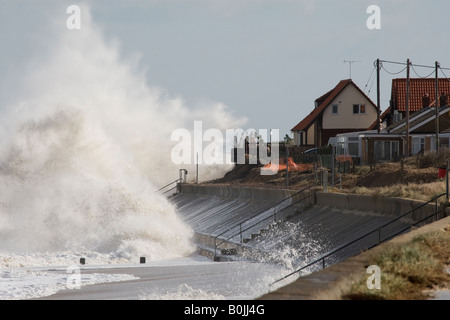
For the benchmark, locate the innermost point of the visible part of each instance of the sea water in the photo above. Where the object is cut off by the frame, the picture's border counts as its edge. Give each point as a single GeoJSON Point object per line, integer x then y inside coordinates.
{"type": "Point", "coordinates": [85, 144]}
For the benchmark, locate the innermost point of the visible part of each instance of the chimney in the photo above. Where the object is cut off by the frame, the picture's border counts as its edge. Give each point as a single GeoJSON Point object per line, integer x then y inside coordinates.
{"type": "Point", "coordinates": [443, 100]}
{"type": "Point", "coordinates": [426, 101]}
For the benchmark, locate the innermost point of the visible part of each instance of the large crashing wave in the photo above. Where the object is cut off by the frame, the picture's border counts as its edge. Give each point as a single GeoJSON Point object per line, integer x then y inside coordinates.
{"type": "Point", "coordinates": [84, 149]}
{"type": "Point", "coordinates": [65, 186]}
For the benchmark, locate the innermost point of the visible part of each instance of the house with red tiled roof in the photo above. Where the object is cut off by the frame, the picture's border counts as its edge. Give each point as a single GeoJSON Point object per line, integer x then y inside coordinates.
{"type": "Point", "coordinates": [423, 121]}
{"type": "Point", "coordinates": [345, 108]}
{"type": "Point", "coordinates": [422, 94]}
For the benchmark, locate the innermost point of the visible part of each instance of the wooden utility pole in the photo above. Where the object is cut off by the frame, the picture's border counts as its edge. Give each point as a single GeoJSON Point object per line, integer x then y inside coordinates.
{"type": "Point", "coordinates": [378, 96]}
{"type": "Point", "coordinates": [407, 107]}
{"type": "Point", "coordinates": [287, 166]}
{"type": "Point", "coordinates": [436, 104]}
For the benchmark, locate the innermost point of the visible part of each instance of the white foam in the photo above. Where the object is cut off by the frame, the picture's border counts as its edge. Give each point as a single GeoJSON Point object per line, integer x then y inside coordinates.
{"type": "Point", "coordinates": [184, 292]}
{"type": "Point", "coordinates": [18, 284]}
{"type": "Point", "coordinates": [83, 151]}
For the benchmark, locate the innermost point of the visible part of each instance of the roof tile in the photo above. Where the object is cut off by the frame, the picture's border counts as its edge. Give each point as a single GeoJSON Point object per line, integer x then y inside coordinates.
{"type": "Point", "coordinates": [418, 88]}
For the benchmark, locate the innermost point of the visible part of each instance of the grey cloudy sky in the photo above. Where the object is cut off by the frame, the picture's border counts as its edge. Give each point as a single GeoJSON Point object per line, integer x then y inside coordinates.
{"type": "Point", "coordinates": [266, 60]}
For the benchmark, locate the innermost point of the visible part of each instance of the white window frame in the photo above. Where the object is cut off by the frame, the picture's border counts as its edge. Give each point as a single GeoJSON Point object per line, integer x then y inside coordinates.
{"type": "Point", "coordinates": [418, 144]}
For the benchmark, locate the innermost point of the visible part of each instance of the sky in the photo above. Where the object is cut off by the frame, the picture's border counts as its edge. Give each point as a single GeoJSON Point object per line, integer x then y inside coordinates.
{"type": "Point", "coordinates": [266, 60]}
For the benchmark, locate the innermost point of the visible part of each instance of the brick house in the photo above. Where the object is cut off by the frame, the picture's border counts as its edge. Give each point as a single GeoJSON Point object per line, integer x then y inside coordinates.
{"type": "Point", "coordinates": [422, 94]}
{"type": "Point", "coordinates": [345, 108]}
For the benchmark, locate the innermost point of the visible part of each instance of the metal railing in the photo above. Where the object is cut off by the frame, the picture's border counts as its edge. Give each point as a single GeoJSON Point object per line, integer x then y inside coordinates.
{"type": "Point", "coordinates": [168, 185]}
{"type": "Point", "coordinates": [181, 179]}
{"type": "Point", "coordinates": [274, 216]}
{"type": "Point", "coordinates": [377, 230]}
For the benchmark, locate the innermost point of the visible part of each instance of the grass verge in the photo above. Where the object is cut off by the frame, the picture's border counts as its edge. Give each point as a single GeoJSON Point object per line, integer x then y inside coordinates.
{"type": "Point", "coordinates": [416, 191]}
{"type": "Point", "coordinates": [407, 271]}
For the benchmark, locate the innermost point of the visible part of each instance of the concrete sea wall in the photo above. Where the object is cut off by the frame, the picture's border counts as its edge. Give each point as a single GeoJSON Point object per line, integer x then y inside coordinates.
{"type": "Point", "coordinates": [392, 207]}
{"type": "Point", "coordinates": [236, 192]}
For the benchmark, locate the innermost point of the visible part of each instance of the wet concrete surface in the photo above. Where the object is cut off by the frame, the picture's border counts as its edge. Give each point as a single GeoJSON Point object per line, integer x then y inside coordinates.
{"type": "Point", "coordinates": [331, 283]}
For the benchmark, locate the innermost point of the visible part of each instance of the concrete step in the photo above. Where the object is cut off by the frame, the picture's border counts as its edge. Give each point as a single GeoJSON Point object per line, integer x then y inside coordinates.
{"type": "Point", "coordinates": [229, 252]}
{"type": "Point", "coordinates": [206, 252]}
{"type": "Point", "coordinates": [219, 256]}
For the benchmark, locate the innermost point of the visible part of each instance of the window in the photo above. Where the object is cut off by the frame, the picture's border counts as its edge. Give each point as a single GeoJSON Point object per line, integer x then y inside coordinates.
{"type": "Point", "coordinates": [386, 150]}
{"type": "Point", "coordinates": [362, 108]}
{"type": "Point", "coordinates": [359, 109]}
{"type": "Point", "coordinates": [353, 149]}
{"type": "Point", "coordinates": [418, 144]}
{"type": "Point", "coordinates": [395, 145]}
{"type": "Point", "coordinates": [335, 109]}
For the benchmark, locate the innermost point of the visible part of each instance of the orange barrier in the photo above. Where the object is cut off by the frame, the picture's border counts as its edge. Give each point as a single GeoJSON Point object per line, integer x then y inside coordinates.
{"type": "Point", "coordinates": [344, 159]}
{"type": "Point", "coordinates": [292, 166]}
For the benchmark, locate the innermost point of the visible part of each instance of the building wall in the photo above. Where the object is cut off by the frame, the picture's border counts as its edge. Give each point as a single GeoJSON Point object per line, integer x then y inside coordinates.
{"type": "Point", "coordinates": [345, 118]}
{"type": "Point", "coordinates": [311, 133]}
{"type": "Point", "coordinates": [308, 137]}
{"type": "Point", "coordinates": [297, 138]}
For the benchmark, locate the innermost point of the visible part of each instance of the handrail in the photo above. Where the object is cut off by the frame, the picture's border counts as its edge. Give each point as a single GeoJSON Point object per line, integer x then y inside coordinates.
{"type": "Point", "coordinates": [326, 255]}
{"type": "Point", "coordinates": [274, 216]}
{"type": "Point", "coordinates": [169, 184]}
{"type": "Point", "coordinates": [256, 215]}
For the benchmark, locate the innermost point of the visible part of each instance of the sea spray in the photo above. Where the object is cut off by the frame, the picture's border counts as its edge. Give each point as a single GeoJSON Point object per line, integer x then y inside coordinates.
{"type": "Point", "coordinates": [82, 152]}
{"type": "Point", "coordinates": [289, 245]}
{"type": "Point", "coordinates": [65, 186]}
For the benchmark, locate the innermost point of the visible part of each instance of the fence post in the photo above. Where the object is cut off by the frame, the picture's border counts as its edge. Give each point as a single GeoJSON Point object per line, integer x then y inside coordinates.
{"type": "Point", "coordinates": [436, 209]}
{"type": "Point", "coordinates": [240, 231]}
{"type": "Point", "coordinates": [333, 155]}
{"type": "Point", "coordinates": [315, 173]}
{"type": "Point", "coordinates": [446, 182]}
{"type": "Point", "coordinates": [287, 167]}
{"type": "Point", "coordinates": [196, 171]}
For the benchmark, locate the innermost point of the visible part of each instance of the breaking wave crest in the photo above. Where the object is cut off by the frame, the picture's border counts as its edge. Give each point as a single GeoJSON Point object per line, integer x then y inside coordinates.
{"type": "Point", "coordinates": [83, 150]}
{"type": "Point", "coordinates": [65, 186]}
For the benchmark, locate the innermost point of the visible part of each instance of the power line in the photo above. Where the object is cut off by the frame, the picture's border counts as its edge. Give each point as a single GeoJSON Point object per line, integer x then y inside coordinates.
{"type": "Point", "coordinates": [417, 65]}
{"type": "Point", "coordinates": [414, 70]}
{"type": "Point", "coordinates": [393, 73]}
{"type": "Point", "coordinates": [370, 77]}
{"type": "Point", "coordinates": [370, 89]}
{"type": "Point", "coordinates": [393, 62]}
{"type": "Point", "coordinates": [444, 74]}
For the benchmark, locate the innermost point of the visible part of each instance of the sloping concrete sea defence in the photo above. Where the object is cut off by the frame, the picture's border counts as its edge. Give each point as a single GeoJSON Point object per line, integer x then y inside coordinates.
{"type": "Point", "coordinates": [290, 227]}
